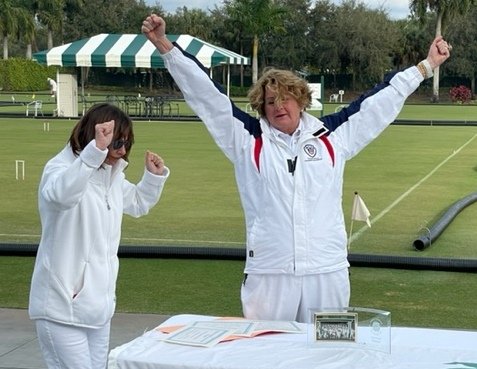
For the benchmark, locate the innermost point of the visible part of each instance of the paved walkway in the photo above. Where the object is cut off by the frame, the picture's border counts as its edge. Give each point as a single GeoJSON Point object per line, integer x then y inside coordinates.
{"type": "Point", "coordinates": [19, 347]}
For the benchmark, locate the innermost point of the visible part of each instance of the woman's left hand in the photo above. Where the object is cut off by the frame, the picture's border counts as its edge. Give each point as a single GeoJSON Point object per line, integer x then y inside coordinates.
{"type": "Point", "coordinates": [439, 52]}
{"type": "Point", "coordinates": [154, 163]}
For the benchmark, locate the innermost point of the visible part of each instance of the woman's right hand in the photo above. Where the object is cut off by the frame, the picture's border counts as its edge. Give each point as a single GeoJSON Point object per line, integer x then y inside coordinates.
{"type": "Point", "coordinates": [104, 133]}
{"type": "Point", "coordinates": [154, 28]}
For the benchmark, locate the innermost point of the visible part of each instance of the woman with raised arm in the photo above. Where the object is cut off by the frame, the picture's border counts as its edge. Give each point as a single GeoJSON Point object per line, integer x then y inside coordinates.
{"type": "Point", "coordinates": [289, 169]}
{"type": "Point", "coordinates": [82, 196]}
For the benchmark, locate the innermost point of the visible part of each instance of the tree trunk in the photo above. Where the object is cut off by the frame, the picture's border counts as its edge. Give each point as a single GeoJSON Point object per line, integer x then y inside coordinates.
{"type": "Point", "coordinates": [435, 81]}
{"type": "Point", "coordinates": [28, 51]}
{"type": "Point", "coordinates": [5, 47]}
{"type": "Point", "coordinates": [255, 59]}
{"type": "Point", "coordinates": [241, 65]}
{"type": "Point", "coordinates": [472, 86]}
{"type": "Point", "coordinates": [50, 39]}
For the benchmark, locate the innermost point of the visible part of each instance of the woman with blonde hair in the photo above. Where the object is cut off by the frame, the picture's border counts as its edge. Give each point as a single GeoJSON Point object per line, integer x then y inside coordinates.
{"type": "Point", "coordinates": [289, 169]}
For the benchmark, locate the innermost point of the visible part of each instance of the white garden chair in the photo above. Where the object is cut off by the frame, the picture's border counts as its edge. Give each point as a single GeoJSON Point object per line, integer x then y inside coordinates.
{"type": "Point", "coordinates": [35, 107]}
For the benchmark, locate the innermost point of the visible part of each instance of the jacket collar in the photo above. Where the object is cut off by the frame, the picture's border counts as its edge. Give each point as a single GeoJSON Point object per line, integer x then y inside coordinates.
{"type": "Point", "coordinates": [309, 125]}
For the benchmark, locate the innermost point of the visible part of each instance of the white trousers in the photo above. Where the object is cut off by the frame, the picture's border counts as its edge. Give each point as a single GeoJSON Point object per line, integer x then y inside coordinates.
{"type": "Point", "coordinates": [289, 297]}
{"type": "Point", "coordinates": [67, 346]}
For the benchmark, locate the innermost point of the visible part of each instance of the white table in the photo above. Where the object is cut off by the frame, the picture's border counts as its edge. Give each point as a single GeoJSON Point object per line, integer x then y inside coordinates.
{"type": "Point", "coordinates": [411, 348]}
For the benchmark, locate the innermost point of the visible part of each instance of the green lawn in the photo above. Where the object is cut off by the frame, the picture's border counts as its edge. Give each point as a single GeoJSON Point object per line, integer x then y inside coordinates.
{"type": "Point", "coordinates": [211, 287]}
{"type": "Point", "coordinates": [437, 112]}
{"type": "Point", "coordinates": [407, 177]}
{"type": "Point", "coordinates": [200, 205]}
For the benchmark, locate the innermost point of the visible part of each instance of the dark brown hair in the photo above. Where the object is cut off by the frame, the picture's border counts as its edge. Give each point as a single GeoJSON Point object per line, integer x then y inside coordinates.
{"type": "Point", "coordinates": [84, 131]}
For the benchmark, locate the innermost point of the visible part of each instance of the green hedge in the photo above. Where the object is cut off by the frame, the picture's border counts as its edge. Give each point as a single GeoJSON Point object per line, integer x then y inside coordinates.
{"type": "Point", "coordinates": [237, 91]}
{"type": "Point", "coordinates": [19, 74]}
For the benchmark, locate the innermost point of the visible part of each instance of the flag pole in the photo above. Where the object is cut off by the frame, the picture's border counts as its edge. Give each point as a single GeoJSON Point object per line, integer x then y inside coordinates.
{"type": "Point", "coordinates": [359, 212]}
{"type": "Point", "coordinates": [353, 210]}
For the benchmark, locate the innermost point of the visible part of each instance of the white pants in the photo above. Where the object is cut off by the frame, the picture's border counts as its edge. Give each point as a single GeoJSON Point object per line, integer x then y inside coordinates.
{"type": "Point", "coordinates": [67, 346]}
{"type": "Point", "coordinates": [288, 297]}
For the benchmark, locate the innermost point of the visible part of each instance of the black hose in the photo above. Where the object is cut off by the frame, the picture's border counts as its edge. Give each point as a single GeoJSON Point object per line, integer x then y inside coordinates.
{"type": "Point", "coordinates": [413, 263]}
{"type": "Point", "coordinates": [181, 252]}
{"type": "Point", "coordinates": [14, 249]}
{"type": "Point", "coordinates": [437, 228]}
{"type": "Point", "coordinates": [216, 253]}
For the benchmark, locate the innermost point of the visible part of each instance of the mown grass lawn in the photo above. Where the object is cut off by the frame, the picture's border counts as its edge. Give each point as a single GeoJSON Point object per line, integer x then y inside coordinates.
{"type": "Point", "coordinates": [407, 177]}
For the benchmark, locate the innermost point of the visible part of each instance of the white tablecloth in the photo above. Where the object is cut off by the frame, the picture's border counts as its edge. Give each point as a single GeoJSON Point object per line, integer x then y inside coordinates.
{"type": "Point", "coordinates": [411, 348]}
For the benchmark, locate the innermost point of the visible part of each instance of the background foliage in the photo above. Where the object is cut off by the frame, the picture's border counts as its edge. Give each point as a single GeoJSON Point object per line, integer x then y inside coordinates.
{"type": "Point", "coordinates": [18, 74]}
{"type": "Point", "coordinates": [315, 38]}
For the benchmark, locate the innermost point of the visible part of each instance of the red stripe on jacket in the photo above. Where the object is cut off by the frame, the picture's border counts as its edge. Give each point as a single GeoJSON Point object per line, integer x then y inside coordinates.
{"type": "Point", "coordinates": [329, 147]}
{"type": "Point", "coordinates": [256, 151]}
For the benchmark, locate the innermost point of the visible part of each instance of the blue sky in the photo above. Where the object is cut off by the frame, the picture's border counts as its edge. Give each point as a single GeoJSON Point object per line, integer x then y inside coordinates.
{"type": "Point", "coordinates": [397, 9]}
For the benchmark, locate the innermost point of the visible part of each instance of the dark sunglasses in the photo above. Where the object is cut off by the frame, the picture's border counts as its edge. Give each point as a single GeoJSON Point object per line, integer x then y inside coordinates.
{"type": "Point", "coordinates": [117, 144]}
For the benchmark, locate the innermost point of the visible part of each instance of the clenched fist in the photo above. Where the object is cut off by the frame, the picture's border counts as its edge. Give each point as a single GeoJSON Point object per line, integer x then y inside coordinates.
{"type": "Point", "coordinates": [154, 163]}
{"type": "Point", "coordinates": [154, 28]}
{"type": "Point", "coordinates": [104, 133]}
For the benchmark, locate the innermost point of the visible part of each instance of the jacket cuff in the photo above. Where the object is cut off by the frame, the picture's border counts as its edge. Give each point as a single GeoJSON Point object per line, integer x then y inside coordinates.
{"type": "Point", "coordinates": [92, 156]}
{"type": "Point", "coordinates": [407, 81]}
{"type": "Point", "coordinates": [155, 179]}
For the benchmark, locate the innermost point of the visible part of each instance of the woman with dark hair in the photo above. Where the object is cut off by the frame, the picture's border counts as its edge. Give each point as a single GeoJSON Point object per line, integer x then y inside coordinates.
{"type": "Point", "coordinates": [82, 196]}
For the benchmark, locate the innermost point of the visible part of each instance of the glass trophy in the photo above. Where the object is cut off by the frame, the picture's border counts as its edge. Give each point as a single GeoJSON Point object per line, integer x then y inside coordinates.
{"type": "Point", "coordinates": [363, 328]}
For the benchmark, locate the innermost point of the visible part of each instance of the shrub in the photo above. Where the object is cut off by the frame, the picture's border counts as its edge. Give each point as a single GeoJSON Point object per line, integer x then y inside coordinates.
{"type": "Point", "coordinates": [460, 94]}
{"type": "Point", "coordinates": [237, 91]}
{"type": "Point", "coordinates": [19, 74]}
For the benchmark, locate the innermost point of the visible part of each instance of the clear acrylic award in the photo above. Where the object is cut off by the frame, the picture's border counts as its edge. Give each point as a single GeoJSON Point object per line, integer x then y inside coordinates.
{"type": "Point", "coordinates": [362, 328]}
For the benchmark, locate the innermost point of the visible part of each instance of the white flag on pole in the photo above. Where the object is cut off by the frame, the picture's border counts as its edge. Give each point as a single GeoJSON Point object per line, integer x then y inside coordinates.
{"type": "Point", "coordinates": [360, 212]}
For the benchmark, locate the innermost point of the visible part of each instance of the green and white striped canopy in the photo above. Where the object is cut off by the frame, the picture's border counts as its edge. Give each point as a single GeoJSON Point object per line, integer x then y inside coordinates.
{"type": "Point", "coordinates": [132, 51]}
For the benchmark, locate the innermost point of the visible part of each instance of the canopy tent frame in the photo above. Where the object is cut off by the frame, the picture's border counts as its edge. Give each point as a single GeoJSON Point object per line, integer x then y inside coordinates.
{"type": "Point", "coordinates": [134, 51]}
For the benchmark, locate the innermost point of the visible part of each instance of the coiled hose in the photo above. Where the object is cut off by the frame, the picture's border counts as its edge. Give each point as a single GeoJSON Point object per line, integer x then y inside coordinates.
{"type": "Point", "coordinates": [438, 227]}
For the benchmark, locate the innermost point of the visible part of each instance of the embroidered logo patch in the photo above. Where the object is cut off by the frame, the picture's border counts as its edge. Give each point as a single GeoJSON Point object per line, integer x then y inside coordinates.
{"type": "Point", "coordinates": [310, 150]}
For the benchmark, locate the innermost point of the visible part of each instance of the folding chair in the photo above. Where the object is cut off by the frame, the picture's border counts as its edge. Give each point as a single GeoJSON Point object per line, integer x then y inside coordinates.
{"type": "Point", "coordinates": [36, 107]}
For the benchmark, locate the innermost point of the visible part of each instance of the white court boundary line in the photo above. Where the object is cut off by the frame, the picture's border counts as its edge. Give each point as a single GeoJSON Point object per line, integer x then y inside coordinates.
{"type": "Point", "coordinates": [144, 239]}
{"type": "Point", "coordinates": [358, 234]}
{"type": "Point", "coordinates": [355, 235]}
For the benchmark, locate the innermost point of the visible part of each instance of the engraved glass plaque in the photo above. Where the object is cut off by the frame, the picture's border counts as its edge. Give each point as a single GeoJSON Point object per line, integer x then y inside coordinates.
{"type": "Point", "coordinates": [363, 328]}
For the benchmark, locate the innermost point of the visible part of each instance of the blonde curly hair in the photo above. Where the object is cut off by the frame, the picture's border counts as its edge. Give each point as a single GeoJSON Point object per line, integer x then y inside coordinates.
{"type": "Point", "coordinates": [282, 83]}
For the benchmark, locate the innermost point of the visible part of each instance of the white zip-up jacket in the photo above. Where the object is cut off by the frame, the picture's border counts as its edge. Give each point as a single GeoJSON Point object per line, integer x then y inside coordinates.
{"type": "Point", "coordinates": [292, 200]}
{"type": "Point", "coordinates": [81, 204]}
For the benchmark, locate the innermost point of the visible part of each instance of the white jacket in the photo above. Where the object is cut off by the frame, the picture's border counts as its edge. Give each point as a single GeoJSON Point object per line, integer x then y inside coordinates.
{"type": "Point", "coordinates": [81, 206]}
{"type": "Point", "coordinates": [292, 199]}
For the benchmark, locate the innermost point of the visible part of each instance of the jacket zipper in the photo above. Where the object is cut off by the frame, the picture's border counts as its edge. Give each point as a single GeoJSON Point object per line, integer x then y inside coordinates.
{"type": "Point", "coordinates": [107, 201]}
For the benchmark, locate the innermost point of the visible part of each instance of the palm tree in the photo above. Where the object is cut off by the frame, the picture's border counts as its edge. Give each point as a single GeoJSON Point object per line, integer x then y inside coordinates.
{"type": "Point", "coordinates": [258, 17]}
{"type": "Point", "coordinates": [26, 25]}
{"type": "Point", "coordinates": [229, 32]}
{"type": "Point", "coordinates": [52, 14]}
{"type": "Point", "coordinates": [12, 19]}
{"type": "Point", "coordinates": [445, 10]}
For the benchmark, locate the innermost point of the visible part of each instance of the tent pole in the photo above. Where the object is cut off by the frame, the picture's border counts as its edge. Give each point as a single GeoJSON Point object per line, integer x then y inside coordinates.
{"type": "Point", "coordinates": [58, 92]}
{"type": "Point", "coordinates": [82, 89]}
{"type": "Point", "coordinates": [228, 79]}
